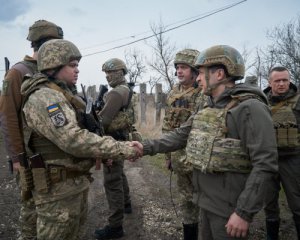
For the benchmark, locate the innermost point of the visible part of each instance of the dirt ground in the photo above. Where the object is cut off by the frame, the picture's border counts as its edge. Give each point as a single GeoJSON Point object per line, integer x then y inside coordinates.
{"type": "Point", "coordinates": [153, 214]}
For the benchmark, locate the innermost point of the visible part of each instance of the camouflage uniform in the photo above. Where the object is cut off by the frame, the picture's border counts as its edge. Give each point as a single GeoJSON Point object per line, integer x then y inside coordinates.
{"type": "Point", "coordinates": [182, 101]}
{"type": "Point", "coordinates": [67, 149]}
{"type": "Point", "coordinates": [286, 116]}
{"type": "Point", "coordinates": [117, 118]}
{"type": "Point", "coordinates": [11, 120]}
{"type": "Point", "coordinates": [231, 161]}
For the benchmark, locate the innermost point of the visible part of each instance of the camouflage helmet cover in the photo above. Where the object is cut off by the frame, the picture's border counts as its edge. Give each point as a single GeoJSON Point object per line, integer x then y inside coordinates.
{"type": "Point", "coordinates": [224, 55]}
{"type": "Point", "coordinates": [186, 56]}
{"type": "Point", "coordinates": [114, 64]}
{"type": "Point", "coordinates": [43, 29]}
{"type": "Point", "coordinates": [55, 53]}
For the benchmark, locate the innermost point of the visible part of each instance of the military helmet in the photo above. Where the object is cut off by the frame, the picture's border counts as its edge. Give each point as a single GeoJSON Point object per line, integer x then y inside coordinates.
{"type": "Point", "coordinates": [114, 64]}
{"type": "Point", "coordinates": [223, 55]}
{"type": "Point", "coordinates": [44, 29]}
{"type": "Point", "coordinates": [186, 56]}
{"type": "Point", "coordinates": [55, 53]}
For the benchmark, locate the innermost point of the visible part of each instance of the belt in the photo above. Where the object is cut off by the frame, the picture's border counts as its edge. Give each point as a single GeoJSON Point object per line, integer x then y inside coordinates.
{"type": "Point", "coordinates": [61, 173]}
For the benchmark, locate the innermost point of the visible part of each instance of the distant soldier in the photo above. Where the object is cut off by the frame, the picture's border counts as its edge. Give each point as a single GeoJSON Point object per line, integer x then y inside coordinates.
{"type": "Point", "coordinates": [251, 80]}
{"type": "Point", "coordinates": [183, 100]}
{"type": "Point", "coordinates": [11, 117]}
{"type": "Point", "coordinates": [64, 149]}
{"type": "Point", "coordinates": [117, 118]}
{"type": "Point", "coordinates": [285, 106]}
{"type": "Point", "coordinates": [230, 144]}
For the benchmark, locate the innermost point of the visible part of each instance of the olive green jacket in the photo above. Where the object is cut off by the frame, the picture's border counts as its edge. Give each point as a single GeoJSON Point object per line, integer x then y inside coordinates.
{"type": "Point", "coordinates": [225, 193]}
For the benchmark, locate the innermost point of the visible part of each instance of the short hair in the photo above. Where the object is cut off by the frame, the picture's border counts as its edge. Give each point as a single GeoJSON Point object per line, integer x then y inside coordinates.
{"type": "Point", "coordinates": [278, 69]}
{"type": "Point", "coordinates": [219, 66]}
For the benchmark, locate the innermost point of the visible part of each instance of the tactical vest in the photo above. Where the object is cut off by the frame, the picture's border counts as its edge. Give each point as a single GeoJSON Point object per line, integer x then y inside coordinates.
{"type": "Point", "coordinates": [126, 117]}
{"type": "Point", "coordinates": [49, 151]}
{"type": "Point", "coordinates": [208, 148]}
{"type": "Point", "coordinates": [285, 123]}
{"type": "Point", "coordinates": [181, 104]}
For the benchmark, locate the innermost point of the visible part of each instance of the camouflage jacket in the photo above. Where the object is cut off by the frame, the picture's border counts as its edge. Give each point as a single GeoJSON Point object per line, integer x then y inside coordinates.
{"type": "Point", "coordinates": [251, 123]}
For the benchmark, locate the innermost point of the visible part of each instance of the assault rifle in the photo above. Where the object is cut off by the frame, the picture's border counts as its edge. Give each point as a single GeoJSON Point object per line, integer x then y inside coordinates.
{"type": "Point", "coordinates": [10, 163]}
{"type": "Point", "coordinates": [7, 63]}
{"type": "Point", "coordinates": [91, 120]}
{"type": "Point", "coordinates": [99, 103]}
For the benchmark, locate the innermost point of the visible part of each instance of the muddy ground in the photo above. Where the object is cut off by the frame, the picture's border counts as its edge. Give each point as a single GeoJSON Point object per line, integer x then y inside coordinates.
{"type": "Point", "coordinates": [153, 215]}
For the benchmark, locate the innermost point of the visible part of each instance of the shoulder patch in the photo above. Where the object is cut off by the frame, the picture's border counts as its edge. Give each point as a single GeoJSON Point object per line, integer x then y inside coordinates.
{"type": "Point", "coordinates": [57, 115]}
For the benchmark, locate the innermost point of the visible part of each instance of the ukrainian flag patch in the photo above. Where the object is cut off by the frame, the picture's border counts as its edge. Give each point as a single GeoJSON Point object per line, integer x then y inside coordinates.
{"type": "Point", "coordinates": [57, 115]}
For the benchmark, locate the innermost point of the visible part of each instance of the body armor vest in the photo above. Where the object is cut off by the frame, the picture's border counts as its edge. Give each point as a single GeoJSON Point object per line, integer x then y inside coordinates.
{"type": "Point", "coordinates": [285, 123]}
{"type": "Point", "coordinates": [208, 148]}
{"type": "Point", "coordinates": [181, 104]}
{"type": "Point", "coordinates": [121, 125]}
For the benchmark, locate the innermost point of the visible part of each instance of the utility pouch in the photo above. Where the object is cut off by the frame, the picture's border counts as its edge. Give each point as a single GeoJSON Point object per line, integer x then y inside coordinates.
{"type": "Point", "coordinates": [40, 174]}
{"type": "Point", "coordinates": [292, 137]}
{"type": "Point", "coordinates": [26, 179]}
{"type": "Point", "coordinates": [282, 137]}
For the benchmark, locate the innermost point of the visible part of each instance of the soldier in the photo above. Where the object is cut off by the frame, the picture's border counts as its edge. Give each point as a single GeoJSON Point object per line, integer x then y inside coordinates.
{"type": "Point", "coordinates": [182, 101]}
{"type": "Point", "coordinates": [117, 118]}
{"type": "Point", "coordinates": [64, 149]}
{"type": "Point", "coordinates": [285, 107]}
{"type": "Point", "coordinates": [11, 120]}
{"type": "Point", "coordinates": [230, 143]}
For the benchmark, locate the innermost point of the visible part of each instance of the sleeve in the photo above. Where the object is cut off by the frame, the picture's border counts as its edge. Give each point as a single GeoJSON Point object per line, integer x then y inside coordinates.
{"type": "Point", "coordinates": [169, 142]}
{"type": "Point", "coordinates": [49, 114]}
{"type": "Point", "coordinates": [258, 139]}
{"type": "Point", "coordinates": [113, 104]}
{"type": "Point", "coordinates": [10, 113]}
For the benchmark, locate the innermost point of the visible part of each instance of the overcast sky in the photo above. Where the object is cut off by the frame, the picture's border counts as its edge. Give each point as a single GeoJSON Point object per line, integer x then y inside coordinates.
{"type": "Point", "coordinates": [89, 24]}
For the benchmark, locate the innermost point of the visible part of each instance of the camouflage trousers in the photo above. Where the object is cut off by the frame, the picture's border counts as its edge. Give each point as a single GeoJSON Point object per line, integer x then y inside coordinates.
{"type": "Point", "coordinates": [64, 218]}
{"type": "Point", "coordinates": [117, 192]}
{"type": "Point", "coordinates": [28, 218]}
{"type": "Point", "coordinates": [184, 171]}
{"type": "Point", "coordinates": [190, 210]}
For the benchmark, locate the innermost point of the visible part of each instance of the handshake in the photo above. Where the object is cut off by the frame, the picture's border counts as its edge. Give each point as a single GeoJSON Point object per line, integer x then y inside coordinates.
{"type": "Point", "coordinates": [138, 149]}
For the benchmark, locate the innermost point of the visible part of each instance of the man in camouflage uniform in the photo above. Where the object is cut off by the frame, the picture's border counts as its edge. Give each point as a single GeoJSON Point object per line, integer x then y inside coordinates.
{"type": "Point", "coordinates": [64, 149]}
{"type": "Point", "coordinates": [285, 107]}
{"type": "Point", "coordinates": [230, 143]}
{"type": "Point", "coordinates": [11, 120]}
{"type": "Point", "coordinates": [117, 119]}
{"type": "Point", "coordinates": [182, 101]}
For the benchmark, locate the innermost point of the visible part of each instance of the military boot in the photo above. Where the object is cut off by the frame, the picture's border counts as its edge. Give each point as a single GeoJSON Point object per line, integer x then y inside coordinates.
{"type": "Point", "coordinates": [127, 208]}
{"type": "Point", "coordinates": [109, 233]}
{"type": "Point", "coordinates": [190, 231]}
{"type": "Point", "coordinates": [297, 225]}
{"type": "Point", "coordinates": [272, 227]}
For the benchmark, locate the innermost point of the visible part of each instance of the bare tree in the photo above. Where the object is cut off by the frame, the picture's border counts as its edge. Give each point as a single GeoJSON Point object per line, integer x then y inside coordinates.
{"type": "Point", "coordinates": [152, 82]}
{"type": "Point", "coordinates": [285, 47]}
{"type": "Point", "coordinates": [263, 62]}
{"type": "Point", "coordinates": [135, 62]}
{"type": "Point", "coordinates": [163, 56]}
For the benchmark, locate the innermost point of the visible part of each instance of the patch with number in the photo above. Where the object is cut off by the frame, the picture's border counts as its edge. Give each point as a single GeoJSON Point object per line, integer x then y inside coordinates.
{"type": "Point", "coordinates": [57, 115]}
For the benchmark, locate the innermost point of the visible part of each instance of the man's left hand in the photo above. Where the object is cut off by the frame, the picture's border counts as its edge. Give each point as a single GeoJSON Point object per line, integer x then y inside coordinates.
{"type": "Point", "coordinates": [236, 226]}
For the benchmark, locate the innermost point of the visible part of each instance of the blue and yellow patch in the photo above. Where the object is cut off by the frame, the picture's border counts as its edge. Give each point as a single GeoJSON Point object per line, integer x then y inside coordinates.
{"type": "Point", "coordinates": [57, 115]}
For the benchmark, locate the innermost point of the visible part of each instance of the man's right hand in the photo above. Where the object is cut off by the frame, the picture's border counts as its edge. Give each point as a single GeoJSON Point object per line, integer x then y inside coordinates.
{"type": "Point", "coordinates": [16, 166]}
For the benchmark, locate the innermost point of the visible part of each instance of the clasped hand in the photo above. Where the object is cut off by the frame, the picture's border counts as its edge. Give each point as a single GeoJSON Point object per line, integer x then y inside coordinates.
{"type": "Point", "coordinates": [139, 149]}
